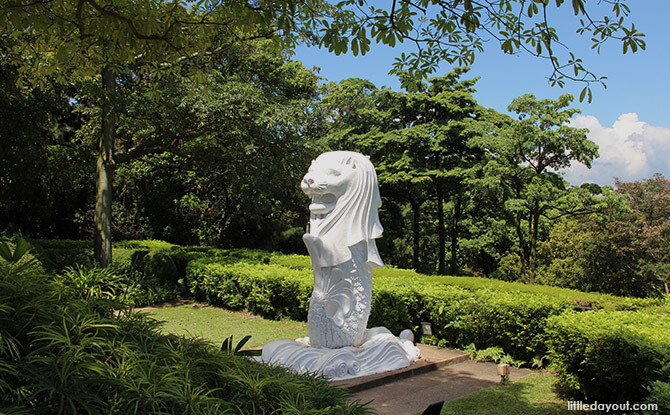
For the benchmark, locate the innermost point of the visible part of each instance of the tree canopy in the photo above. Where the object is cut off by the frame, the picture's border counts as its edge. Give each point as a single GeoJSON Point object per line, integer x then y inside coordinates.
{"type": "Point", "coordinates": [88, 34]}
{"type": "Point", "coordinates": [454, 31]}
{"type": "Point", "coordinates": [528, 153]}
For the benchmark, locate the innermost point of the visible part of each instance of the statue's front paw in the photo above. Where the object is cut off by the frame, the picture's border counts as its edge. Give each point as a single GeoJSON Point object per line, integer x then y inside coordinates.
{"type": "Point", "coordinates": [314, 245]}
{"type": "Point", "coordinates": [308, 238]}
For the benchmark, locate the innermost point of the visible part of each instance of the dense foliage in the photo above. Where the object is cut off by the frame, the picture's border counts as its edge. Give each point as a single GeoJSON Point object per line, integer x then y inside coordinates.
{"type": "Point", "coordinates": [463, 310]}
{"type": "Point", "coordinates": [622, 248]}
{"type": "Point", "coordinates": [63, 350]}
{"type": "Point", "coordinates": [532, 323]}
{"type": "Point", "coordinates": [613, 357]}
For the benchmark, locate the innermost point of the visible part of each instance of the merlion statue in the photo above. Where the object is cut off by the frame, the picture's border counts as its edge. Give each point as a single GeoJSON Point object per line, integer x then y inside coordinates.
{"type": "Point", "coordinates": [341, 243]}
{"type": "Point", "coordinates": [344, 224]}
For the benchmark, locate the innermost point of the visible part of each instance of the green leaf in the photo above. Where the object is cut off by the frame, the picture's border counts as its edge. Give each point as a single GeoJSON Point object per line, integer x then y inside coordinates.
{"type": "Point", "coordinates": [5, 252]}
{"type": "Point", "coordinates": [241, 344]}
{"type": "Point", "coordinates": [227, 345]}
{"type": "Point", "coordinates": [578, 6]}
{"type": "Point", "coordinates": [582, 95]}
{"type": "Point", "coordinates": [21, 248]}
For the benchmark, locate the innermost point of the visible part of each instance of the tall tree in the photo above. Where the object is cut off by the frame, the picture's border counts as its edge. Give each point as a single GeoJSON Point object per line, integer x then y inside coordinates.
{"type": "Point", "coordinates": [530, 152]}
{"type": "Point", "coordinates": [229, 129]}
{"type": "Point", "coordinates": [36, 128]}
{"type": "Point", "coordinates": [486, 232]}
{"type": "Point", "coordinates": [650, 203]}
{"type": "Point", "coordinates": [419, 147]}
{"type": "Point", "coordinates": [621, 248]}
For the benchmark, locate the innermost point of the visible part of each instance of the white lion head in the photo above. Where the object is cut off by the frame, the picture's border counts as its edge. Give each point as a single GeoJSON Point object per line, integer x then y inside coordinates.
{"type": "Point", "coordinates": [345, 199]}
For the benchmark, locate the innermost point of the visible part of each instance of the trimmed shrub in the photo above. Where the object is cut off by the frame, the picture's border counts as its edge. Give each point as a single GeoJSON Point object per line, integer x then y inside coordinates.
{"type": "Point", "coordinates": [292, 261]}
{"type": "Point", "coordinates": [609, 356]}
{"type": "Point", "coordinates": [659, 394]}
{"type": "Point", "coordinates": [161, 265]}
{"type": "Point", "coordinates": [578, 298]}
{"type": "Point", "coordinates": [460, 317]}
{"type": "Point", "coordinates": [59, 254]}
{"type": "Point", "coordinates": [271, 291]}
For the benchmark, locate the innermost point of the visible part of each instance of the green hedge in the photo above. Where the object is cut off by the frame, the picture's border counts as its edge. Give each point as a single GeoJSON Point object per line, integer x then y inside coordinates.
{"type": "Point", "coordinates": [578, 298]}
{"type": "Point", "coordinates": [269, 290]}
{"type": "Point", "coordinates": [462, 317]}
{"type": "Point", "coordinates": [459, 316]}
{"type": "Point", "coordinates": [466, 311]}
{"type": "Point", "coordinates": [612, 357]}
{"type": "Point", "coordinates": [57, 254]}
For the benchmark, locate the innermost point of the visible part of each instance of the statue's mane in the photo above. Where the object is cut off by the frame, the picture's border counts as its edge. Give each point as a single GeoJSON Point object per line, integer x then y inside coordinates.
{"type": "Point", "coordinates": [355, 218]}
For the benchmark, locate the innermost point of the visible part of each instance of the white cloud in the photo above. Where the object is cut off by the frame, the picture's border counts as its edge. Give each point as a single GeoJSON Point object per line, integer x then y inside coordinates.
{"type": "Point", "coordinates": [629, 150]}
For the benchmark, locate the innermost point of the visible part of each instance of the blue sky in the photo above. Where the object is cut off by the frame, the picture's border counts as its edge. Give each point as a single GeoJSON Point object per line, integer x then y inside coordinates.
{"type": "Point", "coordinates": [630, 120]}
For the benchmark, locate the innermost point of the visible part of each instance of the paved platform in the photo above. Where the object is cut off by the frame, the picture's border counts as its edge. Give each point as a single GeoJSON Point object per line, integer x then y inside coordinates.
{"type": "Point", "coordinates": [432, 358]}
{"type": "Point", "coordinates": [441, 375]}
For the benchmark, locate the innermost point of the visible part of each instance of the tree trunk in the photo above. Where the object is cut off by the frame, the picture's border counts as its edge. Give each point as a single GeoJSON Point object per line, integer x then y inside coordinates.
{"type": "Point", "coordinates": [441, 233]}
{"type": "Point", "coordinates": [522, 250]}
{"type": "Point", "coordinates": [102, 236]}
{"type": "Point", "coordinates": [454, 235]}
{"type": "Point", "coordinates": [533, 243]}
{"type": "Point", "coordinates": [416, 210]}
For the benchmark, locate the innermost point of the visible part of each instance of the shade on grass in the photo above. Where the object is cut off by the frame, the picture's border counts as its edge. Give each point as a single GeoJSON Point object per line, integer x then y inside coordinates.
{"type": "Point", "coordinates": [216, 324]}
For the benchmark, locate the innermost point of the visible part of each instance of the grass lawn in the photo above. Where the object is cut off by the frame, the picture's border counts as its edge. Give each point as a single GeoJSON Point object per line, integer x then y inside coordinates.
{"type": "Point", "coordinates": [531, 395]}
{"type": "Point", "coordinates": [216, 324]}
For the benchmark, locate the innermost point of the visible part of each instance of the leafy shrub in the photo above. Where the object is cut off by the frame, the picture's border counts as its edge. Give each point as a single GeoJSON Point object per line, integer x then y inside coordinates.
{"type": "Point", "coordinates": [659, 394]}
{"type": "Point", "coordinates": [160, 265]}
{"type": "Point", "coordinates": [122, 287]}
{"type": "Point", "coordinates": [509, 268]}
{"type": "Point", "coordinates": [271, 291]}
{"type": "Point", "coordinates": [609, 356]}
{"type": "Point", "coordinates": [492, 354]}
{"type": "Point", "coordinates": [94, 281]}
{"type": "Point", "coordinates": [459, 316]}
{"type": "Point", "coordinates": [596, 300]}
{"type": "Point", "coordinates": [146, 244]}
{"type": "Point", "coordinates": [149, 271]}
{"type": "Point", "coordinates": [292, 261]}
{"type": "Point", "coordinates": [58, 254]}
{"type": "Point", "coordinates": [16, 258]}
{"type": "Point", "coordinates": [62, 354]}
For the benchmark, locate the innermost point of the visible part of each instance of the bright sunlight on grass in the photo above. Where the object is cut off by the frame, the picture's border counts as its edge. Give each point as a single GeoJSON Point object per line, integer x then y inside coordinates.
{"type": "Point", "coordinates": [531, 395]}
{"type": "Point", "coordinates": [216, 324]}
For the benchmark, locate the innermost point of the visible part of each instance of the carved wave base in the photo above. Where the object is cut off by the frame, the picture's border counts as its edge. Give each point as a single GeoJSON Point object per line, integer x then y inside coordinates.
{"type": "Point", "coordinates": [380, 351]}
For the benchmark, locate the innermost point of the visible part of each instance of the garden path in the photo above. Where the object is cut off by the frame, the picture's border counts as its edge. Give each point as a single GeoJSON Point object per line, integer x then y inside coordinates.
{"type": "Point", "coordinates": [447, 375]}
